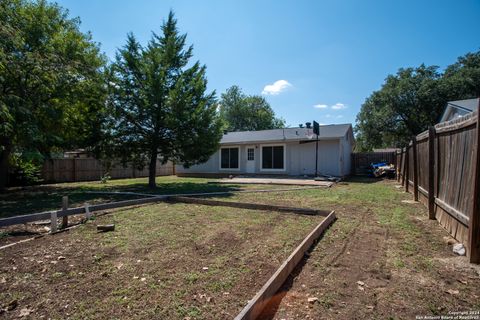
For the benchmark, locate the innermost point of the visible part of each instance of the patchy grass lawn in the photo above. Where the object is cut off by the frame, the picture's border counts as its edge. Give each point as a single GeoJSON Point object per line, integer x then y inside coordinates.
{"type": "Point", "coordinates": [164, 261]}
{"type": "Point", "coordinates": [382, 259]}
{"type": "Point", "coordinates": [48, 197]}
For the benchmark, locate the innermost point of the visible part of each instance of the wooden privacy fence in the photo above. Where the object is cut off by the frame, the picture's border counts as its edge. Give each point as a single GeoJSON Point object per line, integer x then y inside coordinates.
{"type": "Point", "coordinates": [89, 169]}
{"type": "Point", "coordinates": [441, 168]}
{"type": "Point", "coordinates": [361, 160]}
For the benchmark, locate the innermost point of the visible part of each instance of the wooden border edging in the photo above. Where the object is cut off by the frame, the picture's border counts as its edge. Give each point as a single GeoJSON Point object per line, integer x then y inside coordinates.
{"type": "Point", "coordinates": [46, 215]}
{"type": "Point", "coordinates": [72, 211]}
{"type": "Point", "coordinates": [255, 306]}
{"type": "Point", "coordinates": [253, 206]}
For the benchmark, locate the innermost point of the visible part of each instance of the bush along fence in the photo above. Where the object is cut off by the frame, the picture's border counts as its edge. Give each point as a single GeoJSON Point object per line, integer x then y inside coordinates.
{"type": "Point", "coordinates": [441, 168]}
{"type": "Point", "coordinates": [90, 169]}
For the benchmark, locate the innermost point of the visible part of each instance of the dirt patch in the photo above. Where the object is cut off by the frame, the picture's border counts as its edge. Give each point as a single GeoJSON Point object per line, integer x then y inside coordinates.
{"type": "Point", "coordinates": [164, 261]}
{"type": "Point", "coordinates": [380, 261]}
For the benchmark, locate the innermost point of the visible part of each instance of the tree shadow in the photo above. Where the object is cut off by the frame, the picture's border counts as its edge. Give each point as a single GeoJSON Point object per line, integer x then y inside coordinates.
{"type": "Point", "coordinates": [362, 179]}
{"type": "Point", "coordinates": [49, 197]}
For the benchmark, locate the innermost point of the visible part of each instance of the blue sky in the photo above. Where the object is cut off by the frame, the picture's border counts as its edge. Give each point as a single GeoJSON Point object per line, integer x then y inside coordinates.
{"type": "Point", "coordinates": [329, 54]}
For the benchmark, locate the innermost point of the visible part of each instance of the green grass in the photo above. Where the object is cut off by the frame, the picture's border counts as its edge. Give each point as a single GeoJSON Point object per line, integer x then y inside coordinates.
{"type": "Point", "coordinates": [49, 197]}
{"type": "Point", "coordinates": [153, 263]}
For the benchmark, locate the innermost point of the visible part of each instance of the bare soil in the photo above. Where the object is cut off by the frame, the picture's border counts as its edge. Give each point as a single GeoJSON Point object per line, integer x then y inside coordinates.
{"type": "Point", "coordinates": [164, 261]}
{"type": "Point", "coordinates": [382, 259]}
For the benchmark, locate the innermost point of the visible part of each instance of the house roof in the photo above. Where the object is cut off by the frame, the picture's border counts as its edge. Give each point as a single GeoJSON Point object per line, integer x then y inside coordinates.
{"type": "Point", "coordinates": [460, 107]}
{"type": "Point", "coordinates": [468, 105]}
{"type": "Point", "coordinates": [327, 132]}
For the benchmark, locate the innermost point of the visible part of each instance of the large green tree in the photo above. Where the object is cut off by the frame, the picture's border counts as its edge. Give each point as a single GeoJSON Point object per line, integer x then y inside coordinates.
{"type": "Point", "coordinates": [242, 112]}
{"type": "Point", "coordinates": [51, 83]}
{"type": "Point", "coordinates": [414, 99]}
{"type": "Point", "coordinates": [160, 105]}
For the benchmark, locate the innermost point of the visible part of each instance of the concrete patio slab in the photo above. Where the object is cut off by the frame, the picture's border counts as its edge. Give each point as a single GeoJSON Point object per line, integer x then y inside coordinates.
{"type": "Point", "coordinates": [278, 181]}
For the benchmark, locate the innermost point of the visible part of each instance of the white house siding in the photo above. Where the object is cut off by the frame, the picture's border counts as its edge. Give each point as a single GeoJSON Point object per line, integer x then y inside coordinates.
{"type": "Point", "coordinates": [299, 159]}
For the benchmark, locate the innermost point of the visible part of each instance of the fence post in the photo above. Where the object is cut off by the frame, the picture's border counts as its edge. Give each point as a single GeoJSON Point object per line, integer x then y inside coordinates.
{"type": "Point", "coordinates": [353, 164]}
{"type": "Point", "coordinates": [431, 173]}
{"type": "Point", "coordinates": [415, 169]}
{"type": "Point", "coordinates": [64, 209]}
{"type": "Point", "coordinates": [402, 170]}
{"type": "Point", "coordinates": [474, 227]}
{"type": "Point", "coordinates": [53, 221]}
{"type": "Point", "coordinates": [407, 169]}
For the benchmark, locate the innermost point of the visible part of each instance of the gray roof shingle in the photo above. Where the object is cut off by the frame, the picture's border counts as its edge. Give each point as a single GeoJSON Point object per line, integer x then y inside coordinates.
{"type": "Point", "coordinates": [468, 104]}
{"type": "Point", "coordinates": [332, 131]}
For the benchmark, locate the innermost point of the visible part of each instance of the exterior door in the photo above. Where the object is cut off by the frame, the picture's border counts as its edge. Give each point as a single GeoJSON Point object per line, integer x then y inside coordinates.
{"type": "Point", "coordinates": [250, 167]}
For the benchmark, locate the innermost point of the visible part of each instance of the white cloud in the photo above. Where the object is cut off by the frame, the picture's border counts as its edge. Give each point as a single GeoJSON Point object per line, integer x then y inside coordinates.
{"type": "Point", "coordinates": [339, 116]}
{"type": "Point", "coordinates": [338, 106]}
{"type": "Point", "coordinates": [277, 87]}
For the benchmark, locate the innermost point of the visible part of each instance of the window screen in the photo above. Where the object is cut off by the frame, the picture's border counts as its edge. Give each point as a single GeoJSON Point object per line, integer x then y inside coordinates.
{"type": "Point", "coordinates": [229, 158]}
{"type": "Point", "coordinates": [273, 157]}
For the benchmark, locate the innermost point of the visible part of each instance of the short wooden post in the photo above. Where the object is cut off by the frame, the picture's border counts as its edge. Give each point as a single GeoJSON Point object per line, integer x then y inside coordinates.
{"type": "Point", "coordinates": [64, 209]}
{"type": "Point", "coordinates": [431, 173]}
{"type": "Point", "coordinates": [404, 155]}
{"type": "Point", "coordinates": [474, 223]}
{"type": "Point", "coordinates": [88, 214]}
{"type": "Point", "coordinates": [407, 169]}
{"type": "Point", "coordinates": [53, 221]}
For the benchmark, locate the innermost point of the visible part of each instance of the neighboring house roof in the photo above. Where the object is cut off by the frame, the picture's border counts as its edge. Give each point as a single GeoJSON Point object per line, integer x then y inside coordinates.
{"type": "Point", "coordinates": [327, 132]}
{"type": "Point", "coordinates": [459, 108]}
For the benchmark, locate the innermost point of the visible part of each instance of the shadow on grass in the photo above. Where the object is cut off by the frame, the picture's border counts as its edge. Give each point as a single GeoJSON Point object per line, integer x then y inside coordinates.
{"type": "Point", "coordinates": [49, 197]}
{"type": "Point", "coordinates": [362, 179]}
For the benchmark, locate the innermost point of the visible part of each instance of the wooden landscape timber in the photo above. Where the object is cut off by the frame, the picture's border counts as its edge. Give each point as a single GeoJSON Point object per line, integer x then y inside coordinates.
{"type": "Point", "coordinates": [442, 166]}
{"type": "Point", "coordinates": [252, 206]}
{"type": "Point", "coordinates": [255, 306]}
{"type": "Point", "coordinates": [149, 198]}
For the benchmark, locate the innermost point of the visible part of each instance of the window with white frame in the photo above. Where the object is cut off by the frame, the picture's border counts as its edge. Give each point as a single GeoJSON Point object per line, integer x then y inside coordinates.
{"type": "Point", "coordinates": [273, 157]}
{"type": "Point", "coordinates": [229, 158]}
{"type": "Point", "coordinates": [250, 154]}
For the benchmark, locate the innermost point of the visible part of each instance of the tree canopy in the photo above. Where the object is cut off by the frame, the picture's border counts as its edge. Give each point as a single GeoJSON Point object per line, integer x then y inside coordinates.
{"type": "Point", "coordinates": [414, 99]}
{"type": "Point", "coordinates": [242, 112]}
{"type": "Point", "coordinates": [159, 103]}
{"type": "Point", "coordinates": [51, 81]}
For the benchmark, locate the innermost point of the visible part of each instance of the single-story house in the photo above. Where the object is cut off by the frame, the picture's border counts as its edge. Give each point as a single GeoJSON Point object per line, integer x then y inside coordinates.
{"type": "Point", "coordinates": [289, 151]}
{"type": "Point", "coordinates": [456, 109]}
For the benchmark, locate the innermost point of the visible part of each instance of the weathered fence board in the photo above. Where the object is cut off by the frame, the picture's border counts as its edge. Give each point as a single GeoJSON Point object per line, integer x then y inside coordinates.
{"type": "Point", "coordinates": [89, 169]}
{"type": "Point", "coordinates": [440, 168]}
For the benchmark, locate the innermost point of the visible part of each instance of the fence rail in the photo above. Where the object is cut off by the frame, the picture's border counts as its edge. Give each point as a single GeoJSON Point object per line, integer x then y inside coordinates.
{"type": "Point", "coordinates": [440, 167]}
{"type": "Point", "coordinates": [90, 169]}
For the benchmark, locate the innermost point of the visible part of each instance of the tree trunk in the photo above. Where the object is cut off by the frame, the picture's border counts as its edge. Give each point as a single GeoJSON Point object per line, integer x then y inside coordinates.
{"type": "Point", "coordinates": [152, 169]}
{"type": "Point", "coordinates": [4, 159]}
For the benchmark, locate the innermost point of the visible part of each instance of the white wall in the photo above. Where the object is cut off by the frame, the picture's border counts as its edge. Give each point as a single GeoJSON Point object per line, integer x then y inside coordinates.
{"type": "Point", "coordinates": [300, 160]}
